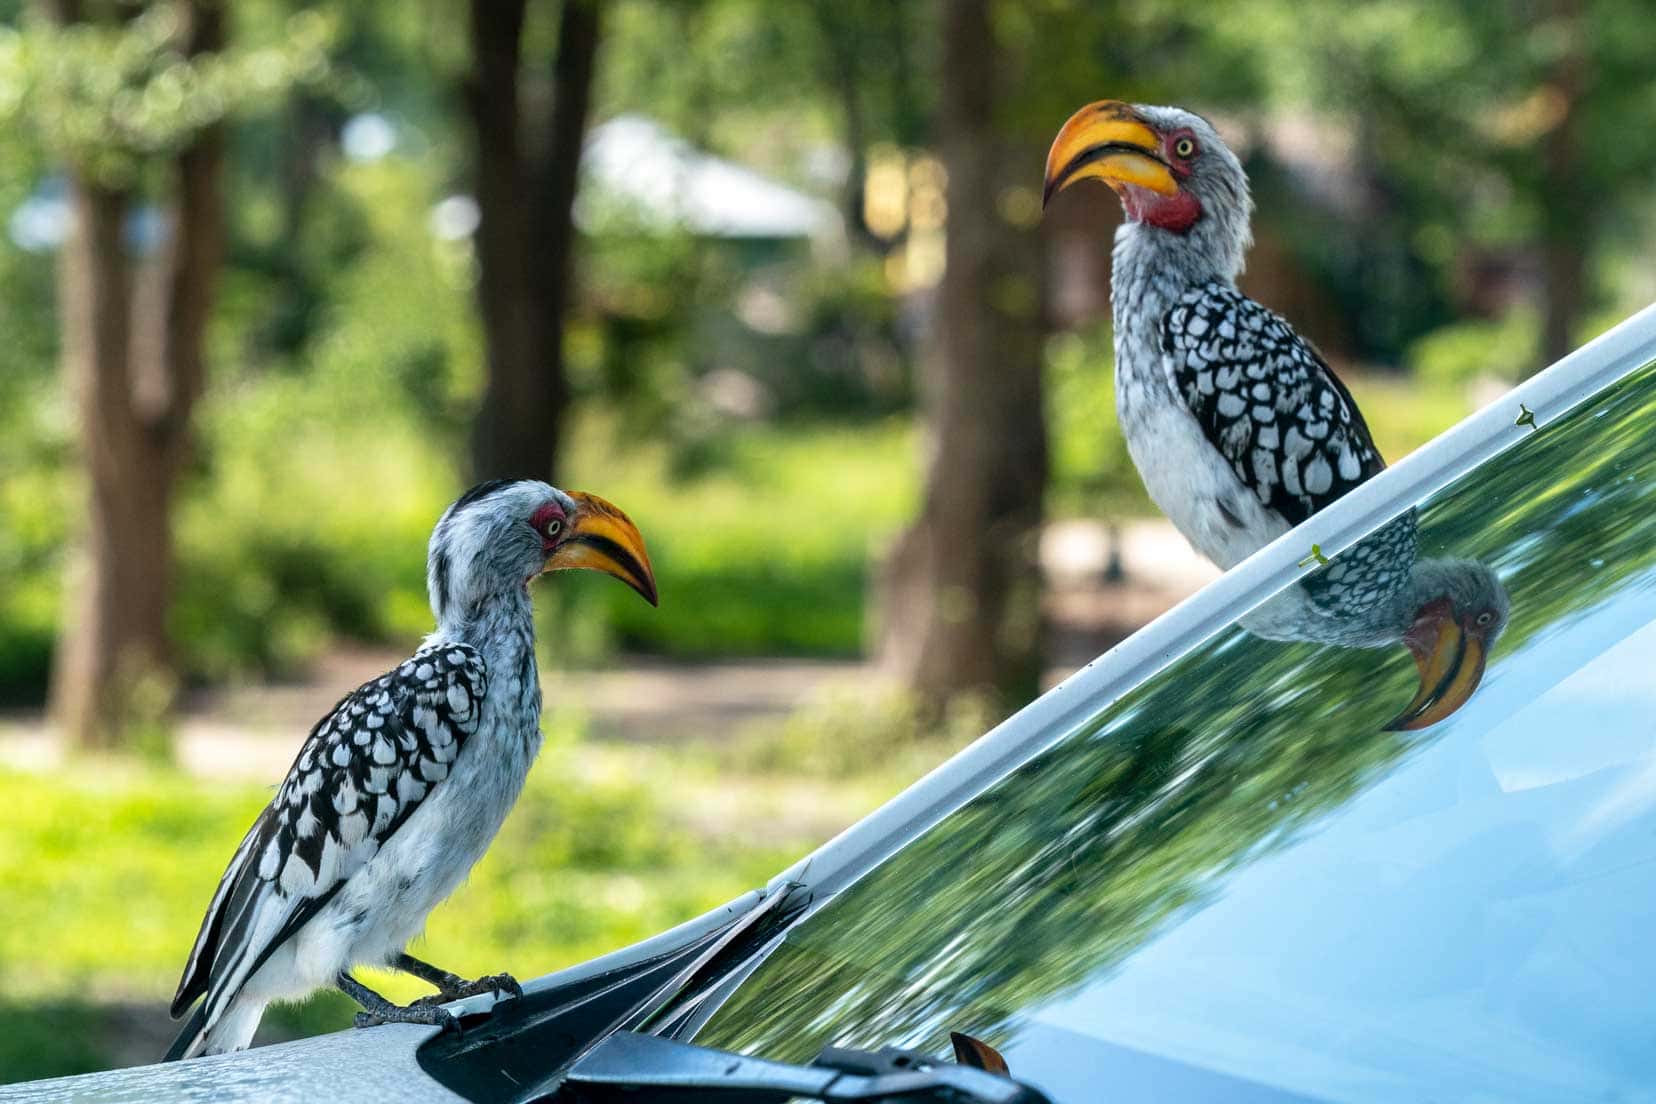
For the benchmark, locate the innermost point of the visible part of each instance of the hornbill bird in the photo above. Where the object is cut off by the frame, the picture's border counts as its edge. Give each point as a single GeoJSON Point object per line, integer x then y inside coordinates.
{"type": "Point", "coordinates": [1236, 424]}
{"type": "Point", "coordinates": [400, 789]}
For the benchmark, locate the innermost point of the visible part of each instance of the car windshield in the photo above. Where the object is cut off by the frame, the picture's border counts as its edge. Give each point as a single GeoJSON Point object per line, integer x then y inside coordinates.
{"type": "Point", "coordinates": [1236, 883]}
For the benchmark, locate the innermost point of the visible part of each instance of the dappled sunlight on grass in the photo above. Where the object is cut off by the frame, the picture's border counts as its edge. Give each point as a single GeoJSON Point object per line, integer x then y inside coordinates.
{"type": "Point", "coordinates": [108, 870]}
{"type": "Point", "coordinates": [109, 865]}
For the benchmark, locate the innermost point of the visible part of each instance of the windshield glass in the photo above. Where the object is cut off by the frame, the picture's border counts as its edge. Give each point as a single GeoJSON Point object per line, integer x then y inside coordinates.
{"type": "Point", "coordinates": [1237, 883]}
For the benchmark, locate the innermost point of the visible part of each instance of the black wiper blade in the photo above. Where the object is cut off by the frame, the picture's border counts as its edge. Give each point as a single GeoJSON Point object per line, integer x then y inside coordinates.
{"type": "Point", "coordinates": [515, 1052]}
{"type": "Point", "coordinates": [644, 1069]}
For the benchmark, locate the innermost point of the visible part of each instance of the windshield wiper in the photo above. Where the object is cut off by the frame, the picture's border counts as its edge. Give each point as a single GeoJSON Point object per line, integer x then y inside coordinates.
{"type": "Point", "coordinates": [644, 1069]}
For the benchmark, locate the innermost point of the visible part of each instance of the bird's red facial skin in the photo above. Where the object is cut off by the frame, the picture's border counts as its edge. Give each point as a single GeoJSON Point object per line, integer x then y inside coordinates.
{"type": "Point", "coordinates": [1177, 212]}
{"type": "Point", "coordinates": [542, 517]}
{"type": "Point", "coordinates": [1422, 633]}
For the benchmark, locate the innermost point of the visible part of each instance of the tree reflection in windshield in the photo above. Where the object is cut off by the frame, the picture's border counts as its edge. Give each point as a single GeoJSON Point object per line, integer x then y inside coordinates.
{"type": "Point", "coordinates": [1055, 876]}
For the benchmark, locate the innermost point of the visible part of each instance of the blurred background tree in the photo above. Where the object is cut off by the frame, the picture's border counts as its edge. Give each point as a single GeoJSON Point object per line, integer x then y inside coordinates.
{"type": "Point", "coordinates": [527, 154]}
{"type": "Point", "coordinates": [961, 596]}
{"type": "Point", "coordinates": [132, 100]}
{"type": "Point", "coordinates": [278, 278]}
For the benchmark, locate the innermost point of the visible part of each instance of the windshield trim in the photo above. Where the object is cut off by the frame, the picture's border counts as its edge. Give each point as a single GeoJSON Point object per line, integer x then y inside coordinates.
{"type": "Point", "coordinates": [1055, 715]}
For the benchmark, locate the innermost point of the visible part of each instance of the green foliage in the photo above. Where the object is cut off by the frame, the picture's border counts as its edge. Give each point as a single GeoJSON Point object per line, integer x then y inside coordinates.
{"type": "Point", "coordinates": [273, 568]}
{"type": "Point", "coordinates": [766, 548]}
{"type": "Point", "coordinates": [1070, 52]}
{"type": "Point", "coordinates": [35, 500]}
{"type": "Point", "coordinates": [320, 487]}
{"type": "Point", "coordinates": [1092, 474]}
{"type": "Point", "coordinates": [1461, 352]}
{"type": "Point", "coordinates": [663, 315]}
{"type": "Point", "coordinates": [107, 96]}
{"type": "Point", "coordinates": [1531, 144]}
{"type": "Point", "coordinates": [768, 82]}
{"type": "Point", "coordinates": [54, 1040]}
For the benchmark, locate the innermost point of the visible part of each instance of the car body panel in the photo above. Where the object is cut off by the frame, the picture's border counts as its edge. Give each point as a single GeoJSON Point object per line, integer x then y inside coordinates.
{"type": "Point", "coordinates": [346, 1066]}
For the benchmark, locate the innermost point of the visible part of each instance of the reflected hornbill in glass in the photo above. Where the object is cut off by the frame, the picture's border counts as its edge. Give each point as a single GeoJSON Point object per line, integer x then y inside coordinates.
{"type": "Point", "coordinates": [1238, 427]}
{"type": "Point", "coordinates": [1447, 612]}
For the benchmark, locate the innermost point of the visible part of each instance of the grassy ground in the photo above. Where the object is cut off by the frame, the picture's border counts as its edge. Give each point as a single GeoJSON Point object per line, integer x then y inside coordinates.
{"type": "Point", "coordinates": [765, 547]}
{"type": "Point", "coordinates": [107, 870]}
{"type": "Point", "coordinates": [108, 866]}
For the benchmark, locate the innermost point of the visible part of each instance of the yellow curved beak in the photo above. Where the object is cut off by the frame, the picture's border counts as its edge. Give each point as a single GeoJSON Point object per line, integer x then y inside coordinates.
{"type": "Point", "coordinates": [605, 539]}
{"type": "Point", "coordinates": [1451, 663]}
{"type": "Point", "coordinates": [1107, 141]}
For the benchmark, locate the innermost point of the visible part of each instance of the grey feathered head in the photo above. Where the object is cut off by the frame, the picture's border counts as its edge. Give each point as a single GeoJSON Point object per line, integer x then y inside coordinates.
{"type": "Point", "coordinates": [1176, 178]}
{"type": "Point", "coordinates": [1458, 610]}
{"type": "Point", "coordinates": [500, 534]}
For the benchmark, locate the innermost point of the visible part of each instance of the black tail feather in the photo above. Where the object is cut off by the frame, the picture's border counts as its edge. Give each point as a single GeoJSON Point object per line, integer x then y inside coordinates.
{"type": "Point", "coordinates": [192, 1028]}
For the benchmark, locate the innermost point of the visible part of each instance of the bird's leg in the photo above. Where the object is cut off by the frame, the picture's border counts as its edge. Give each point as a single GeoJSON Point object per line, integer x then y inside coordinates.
{"type": "Point", "coordinates": [452, 987]}
{"type": "Point", "coordinates": [377, 1010]}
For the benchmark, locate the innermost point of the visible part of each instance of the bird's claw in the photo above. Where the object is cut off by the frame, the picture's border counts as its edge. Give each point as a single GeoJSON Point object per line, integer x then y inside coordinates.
{"type": "Point", "coordinates": [495, 984]}
{"type": "Point", "coordinates": [501, 983]}
{"type": "Point", "coordinates": [416, 1013]}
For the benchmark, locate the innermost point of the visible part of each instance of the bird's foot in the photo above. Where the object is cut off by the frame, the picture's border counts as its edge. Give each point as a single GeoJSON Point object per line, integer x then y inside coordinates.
{"type": "Point", "coordinates": [459, 988]}
{"type": "Point", "coordinates": [452, 987]}
{"type": "Point", "coordinates": [455, 988]}
{"type": "Point", "coordinates": [377, 1010]}
{"type": "Point", "coordinates": [416, 1013]}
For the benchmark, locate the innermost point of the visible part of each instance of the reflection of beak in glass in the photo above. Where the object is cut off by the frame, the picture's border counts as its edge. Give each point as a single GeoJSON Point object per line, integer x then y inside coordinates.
{"type": "Point", "coordinates": [1450, 657]}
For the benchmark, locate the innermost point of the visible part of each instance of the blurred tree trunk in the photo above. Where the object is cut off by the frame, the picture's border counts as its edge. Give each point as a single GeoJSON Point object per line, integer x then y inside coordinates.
{"type": "Point", "coordinates": [1566, 199]}
{"type": "Point", "coordinates": [961, 590]}
{"type": "Point", "coordinates": [132, 349]}
{"type": "Point", "coordinates": [293, 311]}
{"type": "Point", "coordinates": [842, 71]}
{"type": "Point", "coordinates": [526, 182]}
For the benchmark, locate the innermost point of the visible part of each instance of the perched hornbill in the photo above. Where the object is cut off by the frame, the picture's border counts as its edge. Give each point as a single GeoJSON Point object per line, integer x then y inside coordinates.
{"type": "Point", "coordinates": [401, 788]}
{"type": "Point", "coordinates": [1237, 426]}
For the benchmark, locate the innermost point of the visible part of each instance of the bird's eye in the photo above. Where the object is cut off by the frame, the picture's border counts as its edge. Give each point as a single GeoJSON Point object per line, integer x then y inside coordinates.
{"type": "Point", "coordinates": [1185, 147]}
{"type": "Point", "coordinates": [554, 527]}
{"type": "Point", "coordinates": [1485, 619]}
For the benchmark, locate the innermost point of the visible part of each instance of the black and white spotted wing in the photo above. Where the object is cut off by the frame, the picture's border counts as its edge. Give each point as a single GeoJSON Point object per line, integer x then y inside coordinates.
{"type": "Point", "coordinates": [1271, 406]}
{"type": "Point", "coordinates": [1368, 573]}
{"type": "Point", "coordinates": [364, 768]}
